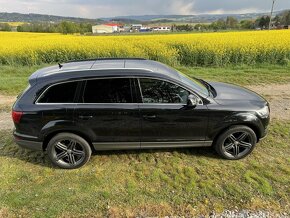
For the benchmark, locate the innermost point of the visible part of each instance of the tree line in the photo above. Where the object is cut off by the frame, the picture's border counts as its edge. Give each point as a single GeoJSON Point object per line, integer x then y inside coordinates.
{"type": "Point", "coordinates": [65, 27]}
{"type": "Point", "coordinates": [231, 23]}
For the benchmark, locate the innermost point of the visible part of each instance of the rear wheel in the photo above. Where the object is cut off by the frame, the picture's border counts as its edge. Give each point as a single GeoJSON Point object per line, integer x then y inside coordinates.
{"type": "Point", "coordinates": [236, 143]}
{"type": "Point", "coordinates": [68, 151]}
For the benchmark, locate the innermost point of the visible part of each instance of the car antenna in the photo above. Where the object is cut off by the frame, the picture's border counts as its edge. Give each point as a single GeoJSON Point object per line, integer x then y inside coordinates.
{"type": "Point", "coordinates": [60, 66]}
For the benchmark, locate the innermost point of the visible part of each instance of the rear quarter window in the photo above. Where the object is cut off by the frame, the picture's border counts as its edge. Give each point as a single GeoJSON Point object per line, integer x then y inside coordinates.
{"type": "Point", "coordinates": [59, 93]}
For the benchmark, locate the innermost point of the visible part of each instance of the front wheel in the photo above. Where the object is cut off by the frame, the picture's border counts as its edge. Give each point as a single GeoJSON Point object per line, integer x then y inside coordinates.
{"type": "Point", "coordinates": [236, 143]}
{"type": "Point", "coordinates": [68, 151]}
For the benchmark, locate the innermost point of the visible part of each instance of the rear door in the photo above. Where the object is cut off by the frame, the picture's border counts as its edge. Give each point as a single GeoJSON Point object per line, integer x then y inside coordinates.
{"type": "Point", "coordinates": [56, 104]}
{"type": "Point", "coordinates": [165, 116]}
{"type": "Point", "coordinates": [108, 110]}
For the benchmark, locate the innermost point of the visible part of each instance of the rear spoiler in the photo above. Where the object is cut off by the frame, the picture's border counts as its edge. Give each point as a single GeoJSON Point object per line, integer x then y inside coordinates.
{"type": "Point", "coordinates": [33, 79]}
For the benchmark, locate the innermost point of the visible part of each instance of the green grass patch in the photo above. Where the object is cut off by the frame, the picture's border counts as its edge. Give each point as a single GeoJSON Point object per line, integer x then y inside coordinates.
{"type": "Point", "coordinates": [241, 75]}
{"type": "Point", "coordinates": [14, 79]}
{"type": "Point", "coordinates": [147, 183]}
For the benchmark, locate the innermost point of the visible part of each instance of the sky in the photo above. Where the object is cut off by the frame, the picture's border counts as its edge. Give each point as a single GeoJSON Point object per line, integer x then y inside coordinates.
{"type": "Point", "coordinates": [111, 8]}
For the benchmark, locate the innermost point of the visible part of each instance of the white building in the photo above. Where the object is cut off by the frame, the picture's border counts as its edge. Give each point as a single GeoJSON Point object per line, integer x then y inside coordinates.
{"type": "Point", "coordinates": [105, 28]}
{"type": "Point", "coordinates": [162, 28]}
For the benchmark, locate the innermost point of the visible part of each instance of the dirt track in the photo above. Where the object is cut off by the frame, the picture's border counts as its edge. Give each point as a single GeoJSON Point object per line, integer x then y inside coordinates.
{"type": "Point", "coordinates": [277, 95]}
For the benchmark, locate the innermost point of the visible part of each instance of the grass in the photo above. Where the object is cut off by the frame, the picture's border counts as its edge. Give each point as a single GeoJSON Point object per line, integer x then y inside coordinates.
{"type": "Point", "coordinates": [180, 182]}
{"type": "Point", "coordinates": [14, 79]}
{"type": "Point", "coordinates": [242, 75]}
{"type": "Point", "coordinates": [147, 183]}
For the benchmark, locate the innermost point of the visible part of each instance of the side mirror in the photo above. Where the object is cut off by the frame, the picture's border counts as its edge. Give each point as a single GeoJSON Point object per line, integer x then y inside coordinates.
{"type": "Point", "coordinates": [192, 101]}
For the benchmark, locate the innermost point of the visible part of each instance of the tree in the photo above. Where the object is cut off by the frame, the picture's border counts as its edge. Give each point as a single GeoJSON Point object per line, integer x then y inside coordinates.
{"type": "Point", "coordinates": [277, 20]}
{"type": "Point", "coordinates": [201, 27]}
{"type": "Point", "coordinates": [263, 22]}
{"type": "Point", "coordinates": [231, 22]}
{"type": "Point", "coordinates": [247, 24]}
{"type": "Point", "coordinates": [218, 25]}
{"type": "Point", "coordinates": [186, 27]}
{"type": "Point", "coordinates": [5, 27]}
{"type": "Point", "coordinates": [286, 18]}
{"type": "Point", "coordinates": [66, 27]}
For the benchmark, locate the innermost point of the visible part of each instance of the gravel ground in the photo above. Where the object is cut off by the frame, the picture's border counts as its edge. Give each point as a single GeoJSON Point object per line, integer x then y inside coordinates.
{"type": "Point", "coordinates": [278, 97]}
{"type": "Point", "coordinates": [248, 214]}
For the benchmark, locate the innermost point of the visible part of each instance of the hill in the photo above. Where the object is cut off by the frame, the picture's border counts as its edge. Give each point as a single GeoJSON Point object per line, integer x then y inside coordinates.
{"type": "Point", "coordinates": [18, 17]}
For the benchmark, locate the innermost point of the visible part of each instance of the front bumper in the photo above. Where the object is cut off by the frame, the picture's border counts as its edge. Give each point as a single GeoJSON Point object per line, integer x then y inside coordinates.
{"type": "Point", "coordinates": [27, 142]}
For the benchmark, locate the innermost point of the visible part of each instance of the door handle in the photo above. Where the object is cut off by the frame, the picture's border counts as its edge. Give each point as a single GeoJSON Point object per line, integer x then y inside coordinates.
{"type": "Point", "coordinates": [149, 116]}
{"type": "Point", "coordinates": [85, 117]}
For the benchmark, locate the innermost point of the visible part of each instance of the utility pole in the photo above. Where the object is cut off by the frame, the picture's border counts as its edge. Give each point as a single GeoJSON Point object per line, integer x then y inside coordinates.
{"type": "Point", "coordinates": [271, 13]}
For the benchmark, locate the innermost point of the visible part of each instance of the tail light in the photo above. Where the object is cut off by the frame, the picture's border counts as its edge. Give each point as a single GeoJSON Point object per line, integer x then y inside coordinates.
{"type": "Point", "coordinates": [16, 116]}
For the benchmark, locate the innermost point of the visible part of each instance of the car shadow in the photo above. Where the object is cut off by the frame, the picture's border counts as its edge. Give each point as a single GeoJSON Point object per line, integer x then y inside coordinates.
{"type": "Point", "coordinates": [202, 151]}
{"type": "Point", "coordinates": [41, 158]}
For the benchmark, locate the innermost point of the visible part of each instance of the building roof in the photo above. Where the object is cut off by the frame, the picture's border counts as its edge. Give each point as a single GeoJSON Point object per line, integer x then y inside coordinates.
{"type": "Point", "coordinates": [94, 66]}
{"type": "Point", "coordinates": [112, 24]}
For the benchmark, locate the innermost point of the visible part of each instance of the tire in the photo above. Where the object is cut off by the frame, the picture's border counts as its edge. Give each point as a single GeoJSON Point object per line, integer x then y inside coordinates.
{"type": "Point", "coordinates": [68, 151]}
{"type": "Point", "coordinates": [236, 142]}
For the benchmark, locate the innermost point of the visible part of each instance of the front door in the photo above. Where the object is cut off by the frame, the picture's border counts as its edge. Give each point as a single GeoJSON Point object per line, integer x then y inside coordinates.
{"type": "Point", "coordinates": [166, 119]}
{"type": "Point", "coordinates": [108, 112]}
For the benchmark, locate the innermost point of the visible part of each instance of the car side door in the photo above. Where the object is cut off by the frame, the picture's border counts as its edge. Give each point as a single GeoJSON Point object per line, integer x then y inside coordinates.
{"type": "Point", "coordinates": [165, 116]}
{"type": "Point", "coordinates": [108, 111]}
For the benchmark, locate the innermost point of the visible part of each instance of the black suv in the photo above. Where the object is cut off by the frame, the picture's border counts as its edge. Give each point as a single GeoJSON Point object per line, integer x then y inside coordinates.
{"type": "Point", "coordinates": [71, 109]}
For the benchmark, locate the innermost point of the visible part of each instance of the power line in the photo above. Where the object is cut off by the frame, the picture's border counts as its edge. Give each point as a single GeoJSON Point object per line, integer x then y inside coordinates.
{"type": "Point", "coordinates": [270, 22]}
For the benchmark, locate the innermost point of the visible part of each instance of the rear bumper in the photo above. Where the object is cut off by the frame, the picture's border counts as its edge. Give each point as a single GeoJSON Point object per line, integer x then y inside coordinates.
{"type": "Point", "coordinates": [31, 145]}
{"type": "Point", "coordinates": [26, 142]}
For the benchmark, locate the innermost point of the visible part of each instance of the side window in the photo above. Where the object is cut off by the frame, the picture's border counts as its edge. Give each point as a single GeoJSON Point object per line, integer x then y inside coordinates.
{"type": "Point", "coordinates": [108, 91]}
{"type": "Point", "coordinates": [60, 93]}
{"type": "Point", "coordinates": [158, 91]}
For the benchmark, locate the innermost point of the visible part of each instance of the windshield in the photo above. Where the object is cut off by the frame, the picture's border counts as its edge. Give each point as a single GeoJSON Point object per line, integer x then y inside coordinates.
{"type": "Point", "coordinates": [194, 83]}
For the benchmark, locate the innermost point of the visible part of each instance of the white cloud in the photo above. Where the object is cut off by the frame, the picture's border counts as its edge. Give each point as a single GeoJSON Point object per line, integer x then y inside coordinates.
{"type": "Point", "coordinates": [109, 8]}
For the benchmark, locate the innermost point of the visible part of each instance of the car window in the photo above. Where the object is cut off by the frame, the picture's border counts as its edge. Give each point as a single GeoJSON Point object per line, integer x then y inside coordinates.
{"type": "Point", "coordinates": [60, 93]}
{"type": "Point", "coordinates": [159, 91]}
{"type": "Point", "coordinates": [108, 91]}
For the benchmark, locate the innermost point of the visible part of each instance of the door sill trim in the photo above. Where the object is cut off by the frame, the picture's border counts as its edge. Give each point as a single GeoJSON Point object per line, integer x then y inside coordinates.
{"type": "Point", "coordinates": [177, 144]}
{"type": "Point", "coordinates": [149, 145]}
{"type": "Point", "coordinates": [116, 145]}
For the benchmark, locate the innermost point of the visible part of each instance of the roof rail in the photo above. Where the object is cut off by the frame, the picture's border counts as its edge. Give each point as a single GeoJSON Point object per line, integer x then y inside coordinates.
{"type": "Point", "coordinates": [103, 59]}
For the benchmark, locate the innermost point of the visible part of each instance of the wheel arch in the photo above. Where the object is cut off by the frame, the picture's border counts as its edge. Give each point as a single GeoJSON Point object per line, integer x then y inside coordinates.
{"type": "Point", "coordinates": [49, 136]}
{"type": "Point", "coordinates": [252, 126]}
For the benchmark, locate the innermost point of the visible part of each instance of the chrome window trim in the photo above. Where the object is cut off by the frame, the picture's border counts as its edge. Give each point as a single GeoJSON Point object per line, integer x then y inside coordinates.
{"type": "Point", "coordinates": [78, 80]}
{"type": "Point", "coordinates": [119, 77]}
{"type": "Point", "coordinates": [111, 104]}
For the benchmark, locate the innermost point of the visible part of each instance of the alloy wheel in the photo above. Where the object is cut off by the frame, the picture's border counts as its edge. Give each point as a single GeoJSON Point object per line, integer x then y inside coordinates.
{"type": "Point", "coordinates": [68, 152]}
{"type": "Point", "coordinates": [237, 144]}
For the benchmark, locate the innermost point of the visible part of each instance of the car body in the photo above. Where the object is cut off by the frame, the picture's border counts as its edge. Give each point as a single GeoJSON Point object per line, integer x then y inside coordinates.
{"type": "Point", "coordinates": [133, 103]}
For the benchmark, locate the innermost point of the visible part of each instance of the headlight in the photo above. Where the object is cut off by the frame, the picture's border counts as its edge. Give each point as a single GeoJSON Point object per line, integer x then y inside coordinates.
{"type": "Point", "coordinates": [264, 112]}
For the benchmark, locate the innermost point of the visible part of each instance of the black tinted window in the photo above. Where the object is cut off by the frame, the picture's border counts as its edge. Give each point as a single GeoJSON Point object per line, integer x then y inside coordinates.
{"type": "Point", "coordinates": [108, 91]}
{"type": "Point", "coordinates": [158, 91]}
{"type": "Point", "coordinates": [61, 93]}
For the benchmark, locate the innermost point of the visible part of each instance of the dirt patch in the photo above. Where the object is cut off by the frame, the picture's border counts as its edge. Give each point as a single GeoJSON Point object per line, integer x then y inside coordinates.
{"type": "Point", "coordinates": [278, 97]}
{"type": "Point", "coordinates": [6, 121]}
{"type": "Point", "coordinates": [6, 103]}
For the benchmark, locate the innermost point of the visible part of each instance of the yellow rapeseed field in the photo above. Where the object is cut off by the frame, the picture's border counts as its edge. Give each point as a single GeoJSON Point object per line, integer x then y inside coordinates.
{"type": "Point", "coordinates": [196, 49]}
